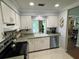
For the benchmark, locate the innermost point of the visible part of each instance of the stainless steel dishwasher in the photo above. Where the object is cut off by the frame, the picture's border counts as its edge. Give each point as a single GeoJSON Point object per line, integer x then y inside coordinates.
{"type": "Point", "coordinates": [54, 42]}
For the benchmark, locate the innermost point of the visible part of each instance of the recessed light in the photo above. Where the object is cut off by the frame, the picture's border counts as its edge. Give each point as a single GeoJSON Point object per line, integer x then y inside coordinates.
{"type": "Point", "coordinates": [31, 4]}
{"type": "Point", "coordinates": [57, 5]}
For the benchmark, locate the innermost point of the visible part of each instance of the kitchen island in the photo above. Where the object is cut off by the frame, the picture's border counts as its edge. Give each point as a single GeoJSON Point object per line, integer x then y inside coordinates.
{"type": "Point", "coordinates": [38, 42]}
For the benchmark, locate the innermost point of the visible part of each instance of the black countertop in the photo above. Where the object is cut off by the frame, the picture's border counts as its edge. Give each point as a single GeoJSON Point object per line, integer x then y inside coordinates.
{"type": "Point", "coordinates": [18, 49]}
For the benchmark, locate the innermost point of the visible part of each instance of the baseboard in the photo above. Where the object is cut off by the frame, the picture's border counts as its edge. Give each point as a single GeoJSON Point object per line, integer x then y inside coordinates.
{"type": "Point", "coordinates": [42, 50]}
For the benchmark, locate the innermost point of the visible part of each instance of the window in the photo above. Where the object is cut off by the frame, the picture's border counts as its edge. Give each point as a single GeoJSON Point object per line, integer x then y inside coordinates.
{"type": "Point", "coordinates": [39, 25]}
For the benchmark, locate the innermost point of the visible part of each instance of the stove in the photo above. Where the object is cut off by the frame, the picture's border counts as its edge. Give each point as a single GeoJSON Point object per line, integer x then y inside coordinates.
{"type": "Point", "coordinates": [19, 49]}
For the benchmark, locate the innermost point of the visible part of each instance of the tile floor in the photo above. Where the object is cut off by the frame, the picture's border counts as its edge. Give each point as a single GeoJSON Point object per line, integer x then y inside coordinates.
{"type": "Point", "coordinates": [58, 53]}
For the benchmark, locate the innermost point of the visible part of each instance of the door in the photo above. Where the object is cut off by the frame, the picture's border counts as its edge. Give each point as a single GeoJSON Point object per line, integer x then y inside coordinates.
{"type": "Point", "coordinates": [77, 26]}
{"type": "Point", "coordinates": [72, 33]}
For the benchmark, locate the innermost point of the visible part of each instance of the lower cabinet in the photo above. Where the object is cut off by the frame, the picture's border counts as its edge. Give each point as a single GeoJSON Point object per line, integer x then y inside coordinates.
{"type": "Point", "coordinates": [31, 45]}
{"type": "Point", "coordinates": [39, 44]}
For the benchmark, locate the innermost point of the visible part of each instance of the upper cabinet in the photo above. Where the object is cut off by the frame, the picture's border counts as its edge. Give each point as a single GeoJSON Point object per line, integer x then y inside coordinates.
{"type": "Point", "coordinates": [17, 20]}
{"type": "Point", "coordinates": [26, 22]}
{"type": "Point", "coordinates": [8, 14]}
{"type": "Point", "coordinates": [52, 21]}
{"type": "Point", "coordinates": [29, 22]}
{"type": "Point", "coordinates": [11, 19]}
{"type": "Point", "coordinates": [1, 27]}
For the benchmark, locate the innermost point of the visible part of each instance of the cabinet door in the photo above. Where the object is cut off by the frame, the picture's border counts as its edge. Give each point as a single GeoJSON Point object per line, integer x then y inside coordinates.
{"type": "Point", "coordinates": [36, 44]}
{"type": "Point", "coordinates": [31, 45]}
{"type": "Point", "coordinates": [17, 21]}
{"type": "Point", "coordinates": [12, 16]}
{"type": "Point", "coordinates": [23, 22]}
{"type": "Point", "coordinates": [29, 22]}
{"type": "Point", "coordinates": [43, 43]}
{"type": "Point", "coordinates": [5, 11]}
{"type": "Point", "coordinates": [8, 14]}
{"type": "Point", "coordinates": [52, 21]}
{"type": "Point", "coordinates": [1, 27]}
{"type": "Point", "coordinates": [39, 44]}
{"type": "Point", "coordinates": [26, 22]}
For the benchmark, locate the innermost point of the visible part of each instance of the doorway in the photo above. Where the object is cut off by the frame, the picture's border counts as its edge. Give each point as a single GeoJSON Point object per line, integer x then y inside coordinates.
{"type": "Point", "coordinates": [73, 32]}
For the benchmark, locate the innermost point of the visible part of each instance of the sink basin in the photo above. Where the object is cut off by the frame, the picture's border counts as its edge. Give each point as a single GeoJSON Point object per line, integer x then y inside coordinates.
{"type": "Point", "coordinates": [40, 34]}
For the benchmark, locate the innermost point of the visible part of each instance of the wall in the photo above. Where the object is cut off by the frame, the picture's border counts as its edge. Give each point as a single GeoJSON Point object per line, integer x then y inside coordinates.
{"type": "Point", "coordinates": [63, 30]}
{"type": "Point", "coordinates": [63, 38]}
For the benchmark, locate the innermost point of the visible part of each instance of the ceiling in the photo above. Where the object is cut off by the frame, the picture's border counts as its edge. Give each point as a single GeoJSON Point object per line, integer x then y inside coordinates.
{"type": "Point", "coordinates": [23, 5]}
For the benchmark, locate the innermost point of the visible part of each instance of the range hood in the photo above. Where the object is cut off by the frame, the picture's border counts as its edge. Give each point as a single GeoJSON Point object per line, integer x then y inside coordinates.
{"type": "Point", "coordinates": [10, 28]}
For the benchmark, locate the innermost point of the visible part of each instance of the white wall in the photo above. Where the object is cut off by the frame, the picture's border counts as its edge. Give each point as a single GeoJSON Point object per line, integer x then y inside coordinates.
{"type": "Point", "coordinates": [63, 31]}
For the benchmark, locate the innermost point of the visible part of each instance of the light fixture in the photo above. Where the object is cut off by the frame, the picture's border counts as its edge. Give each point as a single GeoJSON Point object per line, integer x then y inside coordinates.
{"type": "Point", "coordinates": [31, 4]}
{"type": "Point", "coordinates": [57, 5]}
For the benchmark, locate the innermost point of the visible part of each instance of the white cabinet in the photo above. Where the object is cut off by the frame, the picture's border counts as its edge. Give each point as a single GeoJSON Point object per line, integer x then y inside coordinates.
{"type": "Point", "coordinates": [1, 27]}
{"type": "Point", "coordinates": [8, 14]}
{"type": "Point", "coordinates": [26, 22]}
{"type": "Point", "coordinates": [29, 22]}
{"type": "Point", "coordinates": [39, 43]}
{"type": "Point", "coordinates": [42, 43]}
{"type": "Point", "coordinates": [31, 45]}
{"type": "Point", "coordinates": [52, 21]}
{"type": "Point", "coordinates": [46, 42]}
{"type": "Point", "coordinates": [17, 20]}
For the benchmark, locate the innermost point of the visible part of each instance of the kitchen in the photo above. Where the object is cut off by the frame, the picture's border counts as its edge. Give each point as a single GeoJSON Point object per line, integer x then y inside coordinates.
{"type": "Point", "coordinates": [25, 33]}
